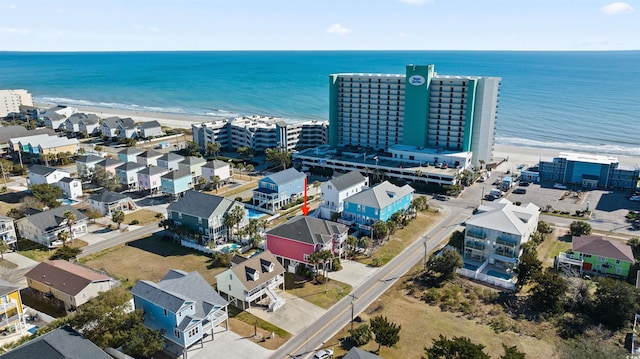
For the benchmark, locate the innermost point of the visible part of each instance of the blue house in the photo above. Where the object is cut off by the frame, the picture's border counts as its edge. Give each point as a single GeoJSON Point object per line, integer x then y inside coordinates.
{"type": "Point", "coordinates": [183, 305]}
{"type": "Point", "coordinates": [378, 203]}
{"type": "Point", "coordinates": [279, 189]}
{"type": "Point", "coordinates": [177, 182]}
{"type": "Point", "coordinates": [129, 154]}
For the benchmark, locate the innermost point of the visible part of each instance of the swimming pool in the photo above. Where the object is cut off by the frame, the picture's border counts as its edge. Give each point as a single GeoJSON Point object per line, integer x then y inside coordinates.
{"type": "Point", "coordinates": [471, 267]}
{"type": "Point", "coordinates": [67, 202]}
{"type": "Point", "coordinates": [253, 214]}
{"type": "Point", "coordinates": [33, 329]}
{"type": "Point", "coordinates": [494, 273]}
{"type": "Point", "coordinates": [230, 248]}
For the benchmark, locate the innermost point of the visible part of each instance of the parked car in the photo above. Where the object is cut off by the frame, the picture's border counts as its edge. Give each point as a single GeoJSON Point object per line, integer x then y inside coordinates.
{"type": "Point", "coordinates": [490, 197]}
{"type": "Point", "coordinates": [524, 184]}
{"type": "Point", "coordinates": [441, 197]}
{"type": "Point", "coordinates": [519, 191]}
{"type": "Point", "coordinates": [323, 354]}
{"type": "Point", "coordinates": [559, 186]}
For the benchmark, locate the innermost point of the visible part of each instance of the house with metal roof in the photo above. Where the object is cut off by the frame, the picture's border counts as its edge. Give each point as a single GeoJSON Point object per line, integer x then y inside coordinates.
{"type": "Point", "coordinates": [129, 154]}
{"type": "Point", "coordinates": [109, 126]}
{"type": "Point", "coordinates": [337, 189]}
{"type": "Point", "coordinates": [149, 158]}
{"type": "Point", "coordinates": [66, 285]}
{"type": "Point", "coordinates": [89, 125]}
{"type": "Point", "coordinates": [108, 202]}
{"type": "Point", "coordinates": [294, 241]}
{"type": "Point", "coordinates": [128, 174]}
{"type": "Point", "coordinates": [62, 343]}
{"type": "Point", "coordinates": [109, 165]}
{"type": "Point", "coordinates": [39, 174]}
{"type": "Point", "coordinates": [216, 168]}
{"type": "Point", "coordinates": [150, 129]}
{"type": "Point", "coordinates": [85, 165]}
{"type": "Point", "coordinates": [11, 309]}
{"type": "Point", "coordinates": [127, 128]}
{"type": "Point", "coordinates": [597, 255]}
{"type": "Point", "coordinates": [150, 178]}
{"type": "Point", "coordinates": [203, 214]}
{"type": "Point", "coordinates": [71, 187]}
{"type": "Point", "coordinates": [170, 161]}
{"type": "Point", "coordinates": [43, 227]}
{"type": "Point", "coordinates": [81, 122]}
{"type": "Point", "coordinates": [192, 165]}
{"type": "Point", "coordinates": [253, 280]}
{"type": "Point", "coordinates": [279, 189]}
{"type": "Point", "coordinates": [183, 306]}
{"type": "Point", "coordinates": [175, 183]}
{"type": "Point", "coordinates": [377, 203]}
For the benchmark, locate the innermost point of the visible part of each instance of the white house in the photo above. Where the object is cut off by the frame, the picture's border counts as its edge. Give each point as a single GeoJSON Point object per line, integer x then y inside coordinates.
{"type": "Point", "coordinates": [192, 165]}
{"type": "Point", "coordinates": [170, 161]}
{"type": "Point", "coordinates": [127, 128]}
{"type": "Point", "coordinates": [56, 116]}
{"type": "Point", "coordinates": [128, 174]}
{"type": "Point", "coordinates": [108, 202]}
{"type": "Point", "coordinates": [86, 165]}
{"type": "Point", "coordinates": [71, 187]}
{"type": "Point", "coordinates": [43, 227]}
{"type": "Point", "coordinates": [337, 189]}
{"type": "Point", "coordinates": [216, 168]}
{"type": "Point", "coordinates": [253, 280]}
{"type": "Point", "coordinates": [150, 129]}
{"type": "Point", "coordinates": [39, 174]}
{"type": "Point", "coordinates": [149, 158]}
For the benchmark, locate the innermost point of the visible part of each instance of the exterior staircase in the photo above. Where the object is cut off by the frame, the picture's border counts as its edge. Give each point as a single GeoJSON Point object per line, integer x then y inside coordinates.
{"type": "Point", "coordinates": [276, 302]}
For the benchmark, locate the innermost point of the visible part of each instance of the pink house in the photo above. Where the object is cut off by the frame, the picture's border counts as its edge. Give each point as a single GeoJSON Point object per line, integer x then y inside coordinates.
{"type": "Point", "coordinates": [109, 165]}
{"type": "Point", "coordinates": [292, 242]}
{"type": "Point", "coordinates": [149, 178]}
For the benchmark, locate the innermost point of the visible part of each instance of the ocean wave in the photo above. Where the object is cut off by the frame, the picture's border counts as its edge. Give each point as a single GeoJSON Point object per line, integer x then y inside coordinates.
{"type": "Point", "coordinates": [571, 146]}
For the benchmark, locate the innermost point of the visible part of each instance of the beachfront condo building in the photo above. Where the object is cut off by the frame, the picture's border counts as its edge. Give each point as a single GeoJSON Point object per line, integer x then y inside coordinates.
{"type": "Point", "coordinates": [419, 108]}
{"type": "Point", "coordinates": [260, 133]}
{"type": "Point", "coordinates": [588, 171]}
{"type": "Point", "coordinates": [11, 100]}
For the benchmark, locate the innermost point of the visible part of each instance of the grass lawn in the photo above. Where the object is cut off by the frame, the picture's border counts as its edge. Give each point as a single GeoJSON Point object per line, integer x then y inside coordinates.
{"type": "Point", "coordinates": [421, 323]}
{"type": "Point", "coordinates": [144, 216]}
{"type": "Point", "coordinates": [242, 323]}
{"type": "Point", "coordinates": [315, 293]}
{"type": "Point", "coordinates": [402, 238]}
{"type": "Point", "coordinates": [40, 253]}
{"type": "Point", "coordinates": [150, 258]}
{"type": "Point", "coordinates": [556, 242]}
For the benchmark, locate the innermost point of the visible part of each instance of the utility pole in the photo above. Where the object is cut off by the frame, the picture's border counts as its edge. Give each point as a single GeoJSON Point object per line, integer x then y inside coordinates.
{"type": "Point", "coordinates": [5, 178]}
{"type": "Point", "coordinates": [353, 298]}
{"type": "Point", "coordinates": [425, 252]}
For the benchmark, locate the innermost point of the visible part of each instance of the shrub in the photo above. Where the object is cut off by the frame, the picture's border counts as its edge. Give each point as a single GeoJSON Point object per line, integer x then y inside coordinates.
{"type": "Point", "coordinates": [376, 262]}
{"type": "Point", "coordinates": [134, 222]}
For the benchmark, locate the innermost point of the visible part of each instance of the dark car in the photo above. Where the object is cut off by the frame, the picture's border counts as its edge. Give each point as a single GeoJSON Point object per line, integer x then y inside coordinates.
{"type": "Point", "coordinates": [519, 191]}
{"type": "Point", "coordinates": [490, 197]}
{"type": "Point", "coordinates": [524, 184]}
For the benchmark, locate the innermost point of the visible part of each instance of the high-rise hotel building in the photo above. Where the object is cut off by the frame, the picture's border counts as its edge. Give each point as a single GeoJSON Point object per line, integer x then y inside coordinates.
{"type": "Point", "coordinates": [419, 108]}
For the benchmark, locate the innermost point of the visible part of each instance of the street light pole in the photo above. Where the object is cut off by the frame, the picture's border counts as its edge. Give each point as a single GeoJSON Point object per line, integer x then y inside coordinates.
{"type": "Point", "coordinates": [425, 252]}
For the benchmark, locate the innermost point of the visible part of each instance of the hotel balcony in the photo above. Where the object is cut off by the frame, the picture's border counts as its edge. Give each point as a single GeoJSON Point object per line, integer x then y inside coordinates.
{"type": "Point", "coordinates": [505, 253]}
{"type": "Point", "coordinates": [474, 245]}
{"type": "Point", "coordinates": [506, 242]}
{"type": "Point", "coordinates": [478, 235]}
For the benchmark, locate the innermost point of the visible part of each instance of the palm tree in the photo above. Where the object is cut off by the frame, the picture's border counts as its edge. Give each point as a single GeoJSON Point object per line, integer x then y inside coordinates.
{"type": "Point", "coordinates": [249, 167]}
{"type": "Point", "coordinates": [215, 182]}
{"type": "Point", "coordinates": [63, 236]}
{"type": "Point", "coordinates": [352, 242]}
{"type": "Point", "coordinates": [71, 220]}
{"type": "Point", "coordinates": [117, 217]}
{"type": "Point", "coordinates": [233, 218]}
{"type": "Point", "coordinates": [4, 248]}
{"type": "Point", "coordinates": [364, 242]}
{"type": "Point", "coordinates": [240, 167]}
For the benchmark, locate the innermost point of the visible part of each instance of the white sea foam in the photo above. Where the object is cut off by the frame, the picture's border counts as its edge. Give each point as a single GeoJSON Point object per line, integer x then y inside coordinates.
{"type": "Point", "coordinates": [572, 146]}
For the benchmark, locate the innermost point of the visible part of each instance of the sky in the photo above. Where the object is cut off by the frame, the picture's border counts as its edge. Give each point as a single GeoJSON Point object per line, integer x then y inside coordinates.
{"type": "Point", "coordinates": [165, 25]}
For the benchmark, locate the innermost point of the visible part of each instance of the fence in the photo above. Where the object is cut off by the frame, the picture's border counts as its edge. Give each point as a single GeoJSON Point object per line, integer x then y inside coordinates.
{"type": "Point", "coordinates": [498, 282]}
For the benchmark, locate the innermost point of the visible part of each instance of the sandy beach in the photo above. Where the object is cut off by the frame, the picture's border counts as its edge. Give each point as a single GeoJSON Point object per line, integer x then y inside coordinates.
{"type": "Point", "coordinates": [516, 155]}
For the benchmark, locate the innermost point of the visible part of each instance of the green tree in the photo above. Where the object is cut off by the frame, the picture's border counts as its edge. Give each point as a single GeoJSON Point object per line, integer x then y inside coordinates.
{"type": "Point", "coordinates": [380, 230]}
{"type": "Point", "coordinates": [549, 292]}
{"type": "Point", "coordinates": [456, 239]}
{"type": "Point", "coordinates": [445, 265]}
{"type": "Point", "coordinates": [352, 242]}
{"type": "Point", "coordinates": [245, 153]}
{"type": "Point", "coordinates": [191, 148]}
{"type": "Point", "coordinates": [361, 335]}
{"type": "Point", "coordinates": [47, 194]}
{"type": "Point", "coordinates": [142, 342]}
{"type": "Point", "coordinates": [117, 217]}
{"type": "Point", "coordinates": [386, 333]}
{"type": "Point", "coordinates": [104, 179]}
{"type": "Point", "coordinates": [455, 348]}
{"type": "Point", "coordinates": [529, 266]}
{"type": "Point", "coordinates": [420, 203]}
{"type": "Point", "coordinates": [615, 302]}
{"type": "Point", "coordinates": [512, 353]}
{"type": "Point", "coordinates": [233, 218]}
{"type": "Point", "coordinates": [215, 182]}
{"type": "Point", "coordinates": [579, 228]}
{"type": "Point", "coordinates": [65, 252]}
{"type": "Point", "coordinates": [364, 242]}
{"type": "Point", "coordinates": [71, 219]}
{"type": "Point", "coordinates": [4, 248]}
{"type": "Point", "coordinates": [212, 149]}
{"type": "Point", "coordinates": [249, 168]}
{"type": "Point", "coordinates": [278, 157]}
{"type": "Point", "coordinates": [544, 227]}
{"type": "Point", "coordinates": [63, 236]}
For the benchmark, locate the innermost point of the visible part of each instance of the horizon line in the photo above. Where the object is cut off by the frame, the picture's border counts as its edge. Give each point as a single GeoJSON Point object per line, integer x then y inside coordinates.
{"type": "Point", "coordinates": [316, 50]}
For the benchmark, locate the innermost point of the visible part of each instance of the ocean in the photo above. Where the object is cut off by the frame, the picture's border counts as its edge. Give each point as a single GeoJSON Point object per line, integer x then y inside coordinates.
{"type": "Point", "coordinates": [579, 101]}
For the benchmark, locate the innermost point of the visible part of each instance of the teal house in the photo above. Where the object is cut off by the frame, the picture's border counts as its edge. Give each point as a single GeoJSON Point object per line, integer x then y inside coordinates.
{"type": "Point", "coordinates": [176, 183]}
{"type": "Point", "coordinates": [378, 203]}
{"type": "Point", "coordinates": [598, 255]}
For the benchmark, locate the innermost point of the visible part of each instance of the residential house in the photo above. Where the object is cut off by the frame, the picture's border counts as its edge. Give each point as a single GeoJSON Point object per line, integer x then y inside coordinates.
{"type": "Point", "coordinates": [149, 158]}
{"type": "Point", "coordinates": [253, 280]}
{"type": "Point", "coordinates": [71, 187]}
{"type": "Point", "coordinates": [337, 189]}
{"type": "Point", "coordinates": [150, 129]}
{"type": "Point", "coordinates": [596, 254]}
{"type": "Point", "coordinates": [216, 168]}
{"type": "Point", "coordinates": [377, 203]}
{"type": "Point", "coordinates": [279, 189]}
{"type": "Point", "coordinates": [89, 125]}
{"type": "Point", "coordinates": [192, 165]}
{"type": "Point", "coordinates": [81, 123]}
{"type": "Point", "coordinates": [8, 231]}
{"type": "Point", "coordinates": [54, 117]}
{"type": "Point", "coordinates": [108, 202]}
{"type": "Point", "coordinates": [357, 353]}
{"type": "Point", "coordinates": [294, 241]}
{"type": "Point", "coordinates": [66, 285]}
{"type": "Point", "coordinates": [109, 126]}
{"type": "Point", "coordinates": [170, 160]}
{"type": "Point", "coordinates": [109, 165]}
{"type": "Point", "coordinates": [183, 306]}
{"type": "Point", "coordinates": [54, 145]}
{"type": "Point", "coordinates": [10, 136]}
{"type": "Point", "coordinates": [204, 214]}
{"type": "Point", "coordinates": [10, 307]}
{"type": "Point", "coordinates": [43, 227]}
{"type": "Point", "coordinates": [86, 165]}
{"type": "Point", "coordinates": [129, 154]}
{"type": "Point", "coordinates": [149, 178]}
{"type": "Point", "coordinates": [61, 343]}
{"type": "Point", "coordinates": [176, 183]}
{"type": "Point", "coordinates": [128, 174]}
{"type": "Point", "coordinates": [497, 231]}
{"type": "Point", "coordinates": [127, 128]}
{"type": "Point", "coordinates": [39, 174]}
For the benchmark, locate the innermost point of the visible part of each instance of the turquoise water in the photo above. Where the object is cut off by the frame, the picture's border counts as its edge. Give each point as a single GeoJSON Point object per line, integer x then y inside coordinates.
{"type": "Point", "coordinates": [33, 329]}
{"type": "Point", "coordinates": [230, 248]}
{"type": "Point", "coordinates": [67, 201]}
{"type": "Point", "coordinates": [586, 101]}
{"type": "Point", "coordinates": [494, 273]}
{"type": "Point", "coordinates": [470, 266]}
{"type": "Point", "coordinates": [253, 214]}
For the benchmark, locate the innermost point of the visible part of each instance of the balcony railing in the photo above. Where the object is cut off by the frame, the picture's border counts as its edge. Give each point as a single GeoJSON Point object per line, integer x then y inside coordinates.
{"type": "Point", "coordinates": [257, 292]}
{"type": "Point", "coordinates": [507, 254]}
{"type": "Point", "coordinates": [506, 242]}
{"type": "Point", "coordinates": [478, 235]}
{"type": "Point", "coordinates": [474, 245]}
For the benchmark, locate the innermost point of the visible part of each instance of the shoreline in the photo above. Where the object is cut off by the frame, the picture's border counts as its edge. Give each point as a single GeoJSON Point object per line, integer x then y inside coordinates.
{"type": "Point", "coordinates": [516, 155]}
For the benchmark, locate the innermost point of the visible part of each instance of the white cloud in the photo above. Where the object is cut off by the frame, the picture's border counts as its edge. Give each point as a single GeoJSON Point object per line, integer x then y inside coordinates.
{"type": "Point", "coordinates": [617, 8]}
{"type": "Point", "coordinates": [13, 30]}
{"type": "Point", "coordinates": [404, 35]}
{"type": "Point", "coordinates": [415, 2]}
{"type": "Point", "coordinates": [338, 29]}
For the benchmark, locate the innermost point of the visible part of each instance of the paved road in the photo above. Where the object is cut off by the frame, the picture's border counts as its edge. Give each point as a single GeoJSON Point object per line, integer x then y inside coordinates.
{"type": "Point", "coordinates": [318, 333]}
{"type": "Point", "coordinates": [122, 238]}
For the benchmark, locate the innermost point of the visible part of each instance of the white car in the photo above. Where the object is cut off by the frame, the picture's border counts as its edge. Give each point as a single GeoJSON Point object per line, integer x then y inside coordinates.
{"type": "Point", "coordinates": [323, 354]}
{"type": "Point", "coordinates": [559, 186]}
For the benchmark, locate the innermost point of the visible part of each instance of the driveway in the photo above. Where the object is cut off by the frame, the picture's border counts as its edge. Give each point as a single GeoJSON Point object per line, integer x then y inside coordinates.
{"type": "Point", "coordinates": [228, 344]}
{"type": "Point", "coordinates": [16, 276]}
{"type": "Point", "coordinates": [293, 317]}
{"type": "Point", "coordinates": [353, 273]}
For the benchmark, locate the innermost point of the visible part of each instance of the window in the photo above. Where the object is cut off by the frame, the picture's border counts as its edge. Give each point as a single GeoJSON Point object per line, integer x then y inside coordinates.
{"type": "Point", "coordinates": [176, 333]}
{"type": "Point", "coordinates": [229, 287]}
{"type": "Point", "coordinates": [601, 259]}
{"type": "Point", "coordinates": [165, 312]}
{"type": "Point", "coordinates": [617, 261]}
